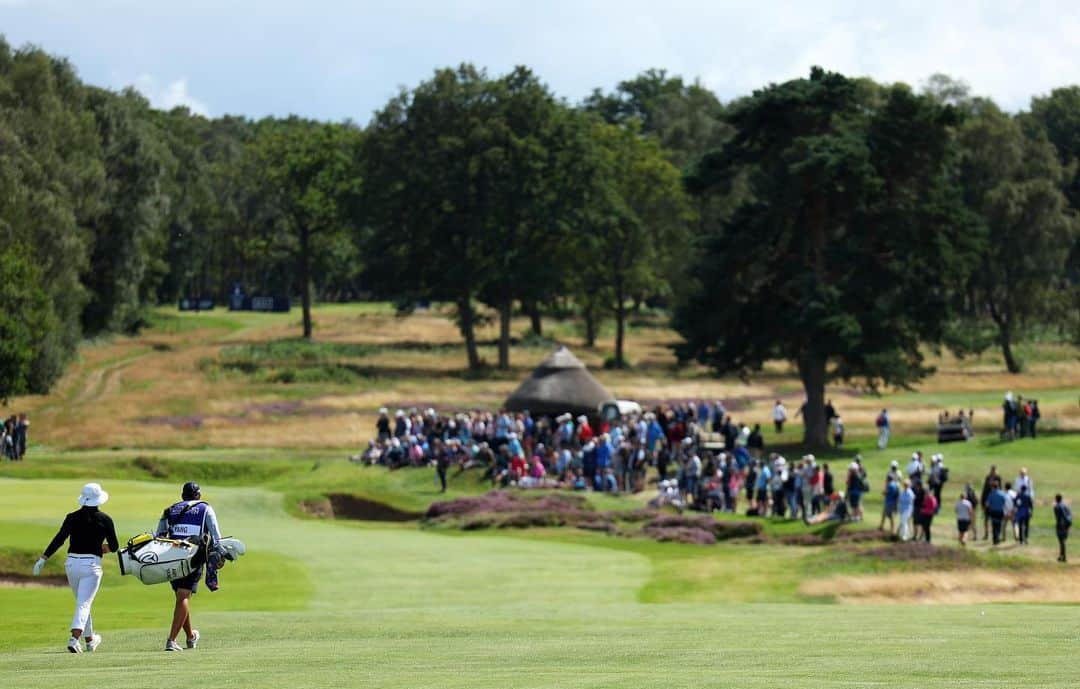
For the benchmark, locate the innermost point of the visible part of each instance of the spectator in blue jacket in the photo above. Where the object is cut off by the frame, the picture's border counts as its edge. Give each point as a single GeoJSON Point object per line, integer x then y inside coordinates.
{"type": "Point", "coordinates": [1024, 508]}
{"type": "Point", "coordinates": [1062, 523]}
{"type": "Point", "coordinates": [892, 502]}
{"type": "Point", "coordinates": [603, 459]}
{"type": "Point", "coordinates": [995, 503]}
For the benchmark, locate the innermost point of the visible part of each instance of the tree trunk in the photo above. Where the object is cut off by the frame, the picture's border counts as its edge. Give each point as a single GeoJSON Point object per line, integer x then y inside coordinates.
{"type": "Point", "coordinates": [815, 426]}
{"type": "Point", "coordinates": [620, 324]}
{"type": "Point", "coordinates": [465, 324]}
{"type": "Point", "coordinates": [505, 312]}
{"type": "Point", "coordinates": [590, 325]}
{"type": "Point", "coordinates": [305, 279]}
{"type": "Point", "coordinates": [1005, 337]}
{"type": "Point", "coordinates": [535, 323]}
{"type": "Point", "coordinates": [1004, 321]}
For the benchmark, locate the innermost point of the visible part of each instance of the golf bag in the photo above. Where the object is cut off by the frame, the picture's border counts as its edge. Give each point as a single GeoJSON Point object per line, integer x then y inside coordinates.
{"type": "Point", "coordinates": [157, 560]}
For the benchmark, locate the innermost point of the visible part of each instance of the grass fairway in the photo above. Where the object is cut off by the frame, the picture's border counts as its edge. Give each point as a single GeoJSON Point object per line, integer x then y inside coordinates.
{"type": "Point", "coordinates": [321, 604]}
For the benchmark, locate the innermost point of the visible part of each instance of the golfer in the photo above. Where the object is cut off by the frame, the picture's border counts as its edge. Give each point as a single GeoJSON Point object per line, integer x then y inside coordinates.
{"type": "Point", "coordinates": [90, 534]}
{"type": "Point", "coordinates": [190, 519]}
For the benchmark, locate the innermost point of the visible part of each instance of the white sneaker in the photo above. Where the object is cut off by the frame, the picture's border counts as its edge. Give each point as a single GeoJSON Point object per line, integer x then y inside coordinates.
{"type": "Point", "coordinates": [194, 640]}
{"type": "Point", "coordinates": [73, 645]}
{"type": "Point", "coordinates": [172, 646]}
{"type": "Point", "coordinates": [93, 642]}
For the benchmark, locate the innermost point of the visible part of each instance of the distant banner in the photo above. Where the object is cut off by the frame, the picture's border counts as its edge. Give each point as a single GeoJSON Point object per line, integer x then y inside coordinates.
{"type": "Point", "coordinates": [268, 304]}
{"type": "Point", "coordinates": [197, 304]}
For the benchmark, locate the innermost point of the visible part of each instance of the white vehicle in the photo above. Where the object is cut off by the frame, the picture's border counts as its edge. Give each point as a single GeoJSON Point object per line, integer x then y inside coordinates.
{"type": "Point", "coordinates": [613, 411]}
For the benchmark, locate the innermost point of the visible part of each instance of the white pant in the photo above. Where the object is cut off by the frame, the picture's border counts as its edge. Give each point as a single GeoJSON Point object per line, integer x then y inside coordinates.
{"type": "Point", "coordinates": [905, 524]}
{"type": "Point", "coordinates": [883, 437]}
{"type": "Point", "coordinates": [84, 576]}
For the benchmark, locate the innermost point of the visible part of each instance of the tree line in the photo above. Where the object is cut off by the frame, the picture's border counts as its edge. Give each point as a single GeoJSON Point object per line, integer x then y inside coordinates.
{"type": "Point", "coordinates": [838, 223]}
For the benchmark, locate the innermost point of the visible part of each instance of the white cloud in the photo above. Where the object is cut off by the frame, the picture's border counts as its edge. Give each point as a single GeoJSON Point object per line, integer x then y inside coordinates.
{"type": "Point", "coordinates": [349, 57]}
{"type": "Point", "coordinates": [169, 96]}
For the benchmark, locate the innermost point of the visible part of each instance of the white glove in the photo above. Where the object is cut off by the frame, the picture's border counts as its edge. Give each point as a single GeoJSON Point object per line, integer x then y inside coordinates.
{"type": "Point", "coordinates": [38, 565]}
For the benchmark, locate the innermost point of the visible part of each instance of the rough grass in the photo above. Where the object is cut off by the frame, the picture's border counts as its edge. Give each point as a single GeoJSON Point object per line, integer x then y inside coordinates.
{"type": "Point", "coordinates": [195, 380]}
{"type": "Point", "coordinates": [967, 587]}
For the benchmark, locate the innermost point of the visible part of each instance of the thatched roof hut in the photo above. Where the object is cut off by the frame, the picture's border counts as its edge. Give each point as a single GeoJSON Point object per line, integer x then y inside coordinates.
{"type": "Point", "coordinates": [561, 383]}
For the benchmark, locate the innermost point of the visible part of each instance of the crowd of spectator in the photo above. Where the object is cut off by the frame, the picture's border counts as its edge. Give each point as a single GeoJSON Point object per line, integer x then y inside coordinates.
{"type": "Point", "coordinates": [576, 453]}
{"type": "Point", "coordinates": [566, 451]}
{"type": "Point", "coordinates": [13, 437]}
{"type": "Point", "coordinates": [1007, 506]}
{"type": "Point", "coordinates": [912, 496]}
{"type": "Point", "coordinates": [1020, 417]}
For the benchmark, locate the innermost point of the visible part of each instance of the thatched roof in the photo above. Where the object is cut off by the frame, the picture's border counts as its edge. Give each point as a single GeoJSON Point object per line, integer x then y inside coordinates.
{"type": "Point", "coordinates": [561, 383]}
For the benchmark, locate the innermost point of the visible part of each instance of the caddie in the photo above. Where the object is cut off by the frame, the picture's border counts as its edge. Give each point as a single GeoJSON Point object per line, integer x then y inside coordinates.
{"type": "Point", "coordinates": [190, 519]}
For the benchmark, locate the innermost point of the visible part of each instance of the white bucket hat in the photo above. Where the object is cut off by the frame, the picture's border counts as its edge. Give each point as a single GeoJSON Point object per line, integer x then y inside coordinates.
{"type": "Point", "coordinates": [92, 495]}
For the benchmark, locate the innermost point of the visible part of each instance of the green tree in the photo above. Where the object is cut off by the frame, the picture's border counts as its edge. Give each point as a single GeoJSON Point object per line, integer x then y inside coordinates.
{"type": "Point", "coordinates": [53, 181]}
{"type": "Point", "coordinates": [312, 171]}
{"type": "Point", "coordinates": [535, 143]}
{"type": "Point", "coordinates": [841, 257]}
{"type": "Point", "coordinates": [189, 187]}
{"type": "Point", "coordinates": [129, 234]}
{"type": "Point", "coordinates": [687, 119]}
{"type": "Point", "coordinates": [1013, 183]}
{"type": "Point", "coordinates": [26, 317]}
{"type": "Point", "coordinates": [635, 222]}
{"type": "Point", "coordinates": [441, 202]}
{"type": "Point", "coordinates": [1059, 115]}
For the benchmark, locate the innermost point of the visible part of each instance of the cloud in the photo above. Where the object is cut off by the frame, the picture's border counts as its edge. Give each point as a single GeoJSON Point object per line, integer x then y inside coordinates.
{"type": "Point", "coordinates": [172, 95]}
{"type": "Point", "coordinates": [349, 58]}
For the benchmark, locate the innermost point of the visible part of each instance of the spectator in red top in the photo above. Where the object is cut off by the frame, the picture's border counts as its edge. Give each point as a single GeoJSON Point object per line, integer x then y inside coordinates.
{"type": "Point", "coordinates": [518, 468]}
{"type": "Point", "coordinates": [585, 431]}
{"type": "Point", "coordinates": [927, 512]}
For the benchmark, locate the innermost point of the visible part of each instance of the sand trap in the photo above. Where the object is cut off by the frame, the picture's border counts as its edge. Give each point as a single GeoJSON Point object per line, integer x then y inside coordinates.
{"type": "Point", "coordinates": [19, 581]}
{"type": "Point", "coordinates": [1044, 585]}
{"type": "Point", "coordinates": [346, 506]}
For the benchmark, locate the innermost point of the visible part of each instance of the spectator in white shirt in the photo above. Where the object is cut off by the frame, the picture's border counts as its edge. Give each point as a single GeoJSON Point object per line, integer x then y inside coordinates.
{"type": "Point", "coordinates": [1024, 480]}
{"type": "Point", "coordinates": [965, 512]}
{"type": "Point", "coordinates": [779, 415]}
{"type": "Point", "coordinates": [1010, 511]}
{"type": "Point", "coordinates": [915, 467]}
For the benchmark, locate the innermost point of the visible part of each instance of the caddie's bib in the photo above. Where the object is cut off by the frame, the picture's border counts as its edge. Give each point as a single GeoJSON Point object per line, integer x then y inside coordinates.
{"type": "Point", "coordinates": [185, 519]}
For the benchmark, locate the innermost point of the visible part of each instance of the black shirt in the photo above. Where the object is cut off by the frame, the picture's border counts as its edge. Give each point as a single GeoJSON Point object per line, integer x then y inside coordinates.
{"type": "Point", "coordinates": [88, 528]}
{"type": "Point", "coordinates": [1062, 518]}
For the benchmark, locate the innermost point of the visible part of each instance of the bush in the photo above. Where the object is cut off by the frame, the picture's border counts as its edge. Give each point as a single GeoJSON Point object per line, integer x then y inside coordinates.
{"type": "Point", "coordinates": [611, 364]}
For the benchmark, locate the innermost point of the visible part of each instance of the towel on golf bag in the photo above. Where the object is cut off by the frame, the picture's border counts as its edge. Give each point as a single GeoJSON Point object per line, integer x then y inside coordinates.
{"type": "Point", "coordinates": [154, 560]}
{"type": "Point", "coordinates": [226, 549]}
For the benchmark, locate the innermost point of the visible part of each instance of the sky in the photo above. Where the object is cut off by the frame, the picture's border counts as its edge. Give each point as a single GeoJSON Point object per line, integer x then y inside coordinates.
{"type": "Point", "coordinates": [343, 59]}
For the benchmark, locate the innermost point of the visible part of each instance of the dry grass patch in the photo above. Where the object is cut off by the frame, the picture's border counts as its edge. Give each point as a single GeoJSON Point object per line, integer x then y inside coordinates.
{"type": "Point", "coordinates": [972, 586]}
{"type": "Point", "coordinates": [419, 361]}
